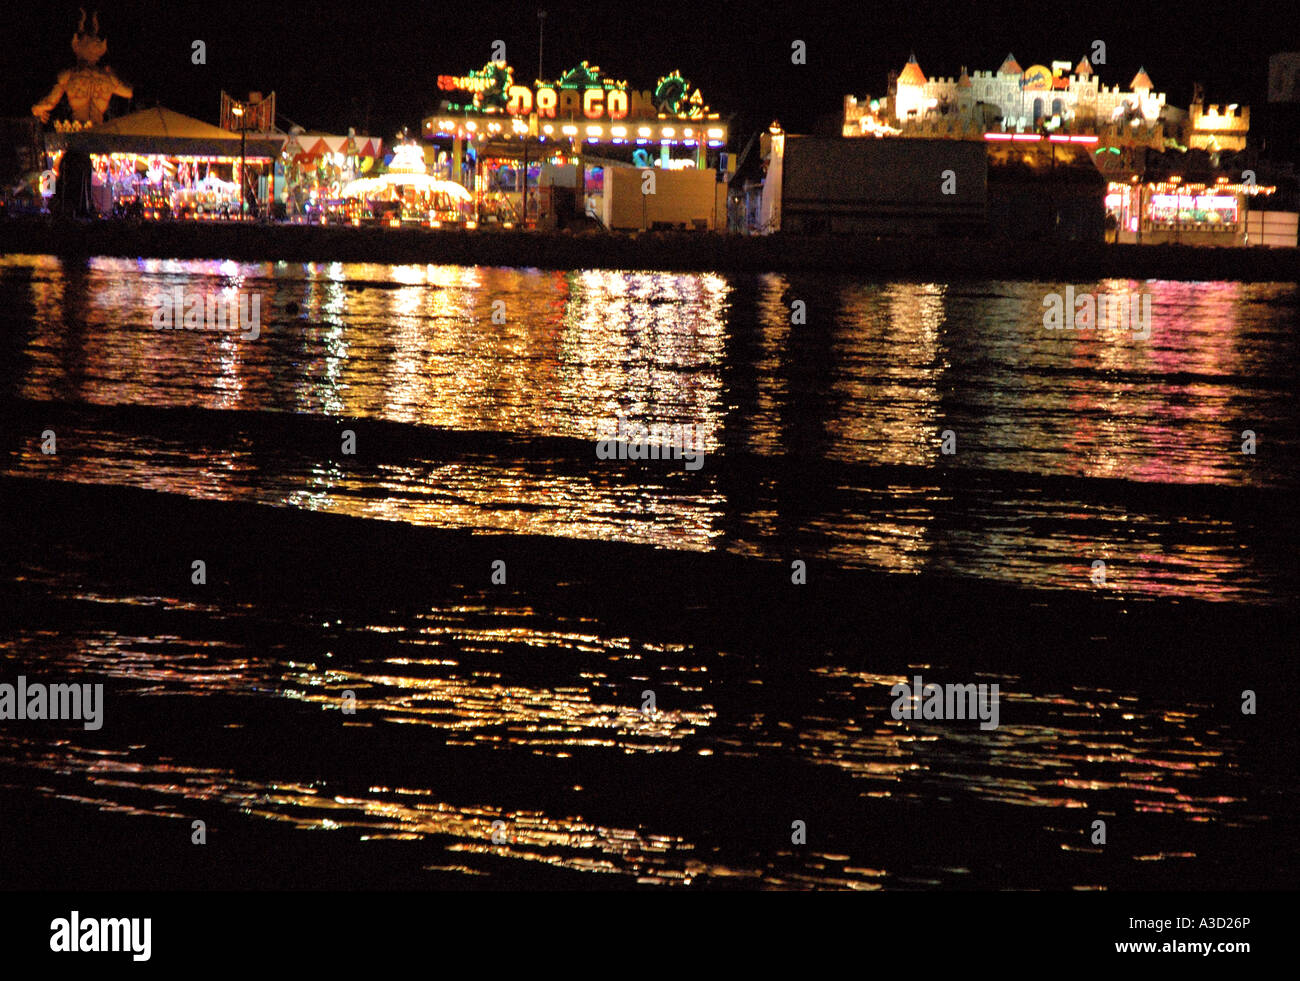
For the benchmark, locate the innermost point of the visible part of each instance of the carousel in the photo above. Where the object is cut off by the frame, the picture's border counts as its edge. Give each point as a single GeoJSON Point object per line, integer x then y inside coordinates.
{"type": "Point", "coordinates": [157, 163]}
{"type": "Point", "coordinates": [205, 197]}
{"type": "Point", "coordinates": [406, 194]}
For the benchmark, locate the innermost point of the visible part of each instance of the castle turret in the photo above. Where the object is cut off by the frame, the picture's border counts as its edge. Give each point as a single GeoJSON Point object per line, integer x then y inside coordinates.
{"type": "Point", "coordinates": [911, 74]}
{"type": "Point", "coordinates": [910, 98]}
{"type": "Point", "coordinates": [965, 95]}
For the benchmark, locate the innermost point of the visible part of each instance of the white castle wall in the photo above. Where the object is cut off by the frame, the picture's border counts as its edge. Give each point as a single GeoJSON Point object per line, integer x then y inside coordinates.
{"type": "Point", "coordinates": [1084, 102]}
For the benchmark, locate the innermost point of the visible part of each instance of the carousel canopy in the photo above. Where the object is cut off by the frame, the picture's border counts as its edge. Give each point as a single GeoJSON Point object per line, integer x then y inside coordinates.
{"type": "Point", "coordinates": [368, 187]}
{"type": "Point", "coordinates": [163, 131]}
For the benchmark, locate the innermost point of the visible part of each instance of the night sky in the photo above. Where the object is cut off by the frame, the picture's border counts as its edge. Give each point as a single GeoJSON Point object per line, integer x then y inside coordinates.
{"type": "Point", "coordinates": [335, 65]}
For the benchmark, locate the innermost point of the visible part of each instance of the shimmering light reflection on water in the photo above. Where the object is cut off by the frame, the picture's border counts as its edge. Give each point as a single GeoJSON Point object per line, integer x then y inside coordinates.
{"type": "Point", "coordinates": [871, 381]}
{"type": "Point", "coordinates": [822, 440]}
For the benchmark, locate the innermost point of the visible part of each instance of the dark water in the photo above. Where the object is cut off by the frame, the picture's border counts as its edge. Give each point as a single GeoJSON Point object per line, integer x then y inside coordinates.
{"type": "Point", "coordinates": [522, 703]}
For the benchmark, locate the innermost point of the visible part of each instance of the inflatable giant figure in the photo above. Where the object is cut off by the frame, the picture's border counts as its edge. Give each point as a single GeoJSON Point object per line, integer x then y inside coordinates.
{"type": "Point", "coordinates": [90, 86]}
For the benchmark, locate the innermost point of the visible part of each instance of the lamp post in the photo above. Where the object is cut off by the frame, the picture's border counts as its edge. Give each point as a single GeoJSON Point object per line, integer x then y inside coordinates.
{"type": "Point", "coordinates": [238, 111]}
{"type": "Point", "coordinates": [541, 27]}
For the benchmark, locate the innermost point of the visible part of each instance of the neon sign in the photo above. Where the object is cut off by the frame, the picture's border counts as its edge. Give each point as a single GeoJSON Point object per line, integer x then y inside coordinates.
{"type": "Point", "coordinates": [582, 92]}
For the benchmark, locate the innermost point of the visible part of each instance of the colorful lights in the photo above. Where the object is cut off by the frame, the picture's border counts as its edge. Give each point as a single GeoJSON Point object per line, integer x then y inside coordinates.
{"type": "Point", "coordinates": [664, 135]}
{"type": "Point", "coordinates": [1035, 137]}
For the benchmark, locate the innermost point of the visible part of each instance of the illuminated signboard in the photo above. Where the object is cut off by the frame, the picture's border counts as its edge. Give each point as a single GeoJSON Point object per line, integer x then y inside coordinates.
{"type": "Point", "coordinates": [581, 93]}
{"type": "Point", "coordinates": [1200, 209]}
{"type": "Point", "coordinates": [1201, 202]}
{"type": "Point", "coordinates": [1036, 77]}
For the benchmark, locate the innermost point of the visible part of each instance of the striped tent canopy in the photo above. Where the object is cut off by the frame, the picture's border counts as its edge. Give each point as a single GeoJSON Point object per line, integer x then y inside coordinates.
{"type": "Point", "coordinates": [306, 146]}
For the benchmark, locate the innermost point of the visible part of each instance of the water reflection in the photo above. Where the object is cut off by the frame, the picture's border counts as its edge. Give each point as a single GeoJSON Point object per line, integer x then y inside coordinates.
{"type": "Point", "coordinates": [461, 680]}
{"type": "Point", "coordinates": [477, 395]}
{"type": "Point", "coordinates": [868, 377]}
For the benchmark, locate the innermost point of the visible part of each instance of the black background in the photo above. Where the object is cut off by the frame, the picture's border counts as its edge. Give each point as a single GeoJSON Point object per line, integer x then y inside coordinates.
{"type": "Point", "coordinates": [374, 65]}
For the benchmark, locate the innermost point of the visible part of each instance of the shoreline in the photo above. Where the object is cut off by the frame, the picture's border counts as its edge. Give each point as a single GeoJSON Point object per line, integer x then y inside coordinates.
{"type": "Point", "coordinates": [904, 257]}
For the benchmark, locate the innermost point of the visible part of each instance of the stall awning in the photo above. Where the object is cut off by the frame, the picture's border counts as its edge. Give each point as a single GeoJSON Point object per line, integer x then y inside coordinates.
{"type": "Point", "coordinates": [168, 133]}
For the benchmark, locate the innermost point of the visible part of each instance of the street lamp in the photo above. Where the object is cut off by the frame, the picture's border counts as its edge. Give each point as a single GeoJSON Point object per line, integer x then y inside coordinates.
{"type": "Point", "coordinates": [541, 28]}
{"type": "Point", "coordinates": [238, 111]}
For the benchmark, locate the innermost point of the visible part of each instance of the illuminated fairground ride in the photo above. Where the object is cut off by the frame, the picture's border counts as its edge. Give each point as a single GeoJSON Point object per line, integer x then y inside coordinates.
{"type": "Point", "coordinates": [158, 185]}
{"type": "Point", "coordinates": [208, 196]}
{"type": "Point", "coordinates": [405, 194]}
{"type": "Point", "coordinates": [157, 163]}
{"type": "Point", "coordinates": [317, 166]}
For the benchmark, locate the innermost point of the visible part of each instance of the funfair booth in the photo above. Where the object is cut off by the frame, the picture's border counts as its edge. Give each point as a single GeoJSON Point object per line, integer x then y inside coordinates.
{"type": "Point", "coordinates": [559, 138]}
{"type": "Point", "coordinates": [1208, 211]}
{"type": "Point", "coordinates": [159, 163]}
